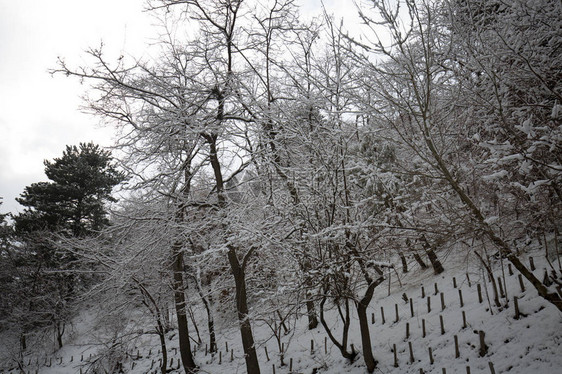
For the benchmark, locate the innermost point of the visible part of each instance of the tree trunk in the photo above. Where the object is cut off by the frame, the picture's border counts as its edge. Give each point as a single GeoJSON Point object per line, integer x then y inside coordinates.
{"type": "Point", "coordinates": [404, 262]}
{"type": "Point", "coordinates": [343, 345]}
{"type": "Point", "coordinates": [437, 266]}
{"type": "Point", "coordinates": [211, 325]}
{"type": "Point", "coordinates": [162, 336]}
{"type": "Point", "coordinates": [551, 297]}
{"type": "Point", "coordinates": [420, 261]}
{"type": "Point", "coordinates": [252, 364]}
{"type": "Point", "coordinates": [23, 342]}
{"type": "Point", "coordinates": [59, 329]}
{"type": "Point", "coordinates": [430, 251]}
{"type": "Point", "coordinates": [179, 299]}
{"type": "Point", "coordinates": [364, 325]}
{"type": "Point", "coordinates": [311, 313]}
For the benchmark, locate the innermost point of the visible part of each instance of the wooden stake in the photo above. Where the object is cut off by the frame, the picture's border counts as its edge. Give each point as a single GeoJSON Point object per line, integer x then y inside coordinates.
{"type": "Point", "coordinates": [454, 282]}
{"type": "Point", "coordinates": [372, 318]}
{"type": "Point", "coordinates": [411, 308]}
{"type": "Point", "coordinates": [442, 324]}
{"type": "Point", "coordinates": [226, 346]}
{"type": "Point", "coordinates": [531, 263]}
{"type": "Point", "coordinates": [411, 352]}
{"type": "Point", "coordinates": [273, 366]}
{"type": "Point", "coordinates": [266, 354]}
{"type": "Point", "coordinates": [444, 371]}
{"type": "Point", "coordinates": [430, 355]}
{"type": "Point", "coordinates": [423, 328]}
{"type": "Point", "coordinates": [516, 306]}
{"type": "Point", "coordinates": [311, 346]}
{"type": "Point", "coordinates": [231, 355]}
{"type": "Point", "coordinates": [509, 269]}
{"type": "Point", "coordinates": [463, 320]}
{"type": "Point", "coordinates": [382, 314]}
{"type": "Point", "coordinates": [407, 330]}
{"type": "Point", "coordinates": [468, 279]}
{"type": "Point", "coordinates": [483, 346]}
{"type": "Point", "coordinates": [468, 370]}
{"type": "Point", "coordinates": [423, 292]}
{"type": "Point", "coordinates": [428, 304]}
{"type": "Point", "coordinates": [521, 284]}
{"type": "Point", "coordinates": [457, 352]}
{"type": "Point", "coordinates": [436, 289]}
{"type": "Point", "coordinates": [479, 289]}
{"type": "Point", "coordinates": [502, 294]}
{"type": "Point", "coordinates": [395, 355]}
{"type": "Point", "coordinates": [492, 371]}
{"type": "Point", "coordinates": [220, 357]}
{"type": "Point", "coordinates": [325, 345]}
{"type": "Point", "coordinates": [460, 298]}
{"type": "Point", "coordinates": [442, 301]}
{"type": "Point", "coordinates": [291, 365]}
{"type": "Point", "coordinates": [396, 310]}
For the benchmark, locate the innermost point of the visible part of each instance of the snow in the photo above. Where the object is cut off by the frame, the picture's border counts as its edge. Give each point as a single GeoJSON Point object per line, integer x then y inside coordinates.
{"type": "Point", "coordinates": [497, 175]}
{"type": "Point", "coordinates": [530, 344]}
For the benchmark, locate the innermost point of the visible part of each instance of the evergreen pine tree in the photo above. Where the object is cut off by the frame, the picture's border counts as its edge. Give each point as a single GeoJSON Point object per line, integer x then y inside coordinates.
{"type": "Point", "coordinates": [72, 203]}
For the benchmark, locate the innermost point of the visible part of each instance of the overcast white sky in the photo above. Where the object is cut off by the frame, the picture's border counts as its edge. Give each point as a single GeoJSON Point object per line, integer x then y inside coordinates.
{"type": "Point", "coordinates": [39, 114]}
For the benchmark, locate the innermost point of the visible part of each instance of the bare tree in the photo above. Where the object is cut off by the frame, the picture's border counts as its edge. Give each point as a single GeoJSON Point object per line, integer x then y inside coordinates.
{"type": "Point", "coordinates": [418, 88]}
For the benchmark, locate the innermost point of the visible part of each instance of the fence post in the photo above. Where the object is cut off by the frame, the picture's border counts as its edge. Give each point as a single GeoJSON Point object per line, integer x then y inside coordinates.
{"type": "Point", "coordinates": [457, 352]}
{"type": "Point", "coordinates": [479, 289]}
{"type": "Point", "coordinates": [516, 306]}
{"type": "Point", "coordinates": [430, 356]}
{"type": "Point", "coordinates": [483, 346]}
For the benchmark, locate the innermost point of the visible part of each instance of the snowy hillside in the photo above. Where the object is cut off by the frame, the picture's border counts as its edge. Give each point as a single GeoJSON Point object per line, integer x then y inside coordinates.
{"type": "Point", "coordinates": [529, 344]}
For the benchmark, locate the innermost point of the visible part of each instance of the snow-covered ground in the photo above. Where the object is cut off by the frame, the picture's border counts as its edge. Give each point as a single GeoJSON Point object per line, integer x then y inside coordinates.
{"type": "Point", "coordinates": [531, 344]}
